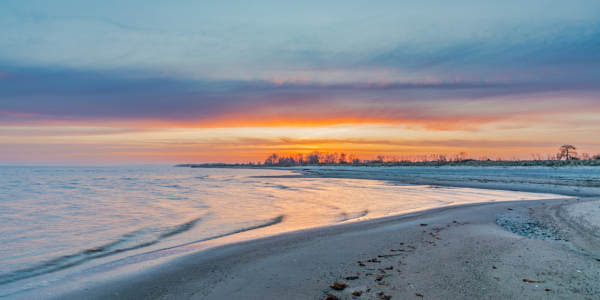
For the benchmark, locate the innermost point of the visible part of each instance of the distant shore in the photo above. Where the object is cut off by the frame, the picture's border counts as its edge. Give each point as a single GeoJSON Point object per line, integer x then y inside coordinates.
{"type": "Point", "coordinates": [581, 181]}
{"type": "Point", "coordinates": [468, 162]}
{"type": "Point", "coordinates": [576, 181]}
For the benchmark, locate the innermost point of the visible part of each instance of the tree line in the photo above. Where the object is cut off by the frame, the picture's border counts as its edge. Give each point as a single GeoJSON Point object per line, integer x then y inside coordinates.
{"type": "Point", "coordinates": [566, 153]}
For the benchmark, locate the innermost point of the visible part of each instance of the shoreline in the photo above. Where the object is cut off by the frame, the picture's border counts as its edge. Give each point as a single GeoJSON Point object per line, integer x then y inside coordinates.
{"type": "Point", "coordinates": [556, 184]}
{"type": "Point", "coordinates": [302, 264]}
{"type": "Point", "coordinates": [480, 259]}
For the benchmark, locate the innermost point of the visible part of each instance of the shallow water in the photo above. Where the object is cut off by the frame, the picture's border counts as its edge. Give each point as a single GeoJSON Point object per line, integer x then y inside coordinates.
{"type": "Point", "coordinates": [58, 220]}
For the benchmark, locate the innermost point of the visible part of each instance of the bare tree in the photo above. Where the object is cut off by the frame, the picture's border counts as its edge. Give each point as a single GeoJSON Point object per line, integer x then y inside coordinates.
{"type": "Point", "coordinates": [342, 158]}
{"type": "Point", "coordinates": [314, 157]}
{"type": "Point", "coordinates": [272, 159]}
{"type": "Point", "coordinates": [462, 156]}
{"type": "Point", "coordinates": [352, 159]}
{"type": "Point", "coordinates": [567, 151]}
{"type": "Point", "coordinates": [300, 159]}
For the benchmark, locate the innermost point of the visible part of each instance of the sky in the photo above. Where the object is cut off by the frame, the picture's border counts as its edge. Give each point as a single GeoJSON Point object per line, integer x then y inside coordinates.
{"type": "Point", "coordinates": [113, 82]}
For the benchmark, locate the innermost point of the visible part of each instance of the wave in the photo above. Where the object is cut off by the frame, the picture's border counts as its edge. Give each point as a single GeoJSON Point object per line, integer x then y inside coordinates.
{"type": "Point", "coordinates": [271, 222]}
{"type": "Point", "coordinates": [130, 241]}
{"type": "Point", "coordinates": [346, 216]}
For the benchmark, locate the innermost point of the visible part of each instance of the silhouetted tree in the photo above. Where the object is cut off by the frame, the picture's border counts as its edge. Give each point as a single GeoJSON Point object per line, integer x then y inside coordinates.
{"type": "Point", "coordinates": [300, 159]}
{"type": "Point", "coordinates": [460, 157]}
{"type": "Point", "coordinates": [567, 151]}
{"type": "Point", "coordinates": [272, 159]}
{"type": "Point", "coordinates": [313, 157]}
{"type": "Point", "coordinates": [342, 158]}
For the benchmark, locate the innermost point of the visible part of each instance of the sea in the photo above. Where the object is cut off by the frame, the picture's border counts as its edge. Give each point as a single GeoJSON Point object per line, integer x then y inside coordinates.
{"type": "Point", "coordinates": [56, 222]}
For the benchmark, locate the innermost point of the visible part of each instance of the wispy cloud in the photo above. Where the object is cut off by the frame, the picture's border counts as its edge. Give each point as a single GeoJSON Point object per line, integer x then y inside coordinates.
{"type": "Point", "coordinates": [507, 69]}
{"type": "Point", "coordinates": [34, 96]}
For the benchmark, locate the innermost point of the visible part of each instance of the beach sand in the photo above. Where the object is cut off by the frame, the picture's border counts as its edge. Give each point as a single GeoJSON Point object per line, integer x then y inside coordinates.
{"type": "Point", "coordinates": [508, 250]}
{"type": "Point", "coordinates": [578, 182]}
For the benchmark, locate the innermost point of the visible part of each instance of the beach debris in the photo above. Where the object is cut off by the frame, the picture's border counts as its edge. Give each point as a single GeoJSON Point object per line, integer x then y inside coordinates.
{"type": "Point", "coordinates": [332, 297]}
{"type": "Point", "coordinates": [423, 224]}
{"type": "Point", "coordinates": [338, 286]}
{"type": "Point", "coordinates": [497, 278]}
{"type": "Point", "coordinates": [380, 277]}
{"type": "Point", "coordinates": [374, 260]}
{"type": "Point", "coordinates": [388, 255]}
{"type": "Point", "coordinates": [360, 263]}
{"type": "Point", "coordinates": [418, 295]}
{"type": "Point", "coordinates": [404, 250]}
{"type": "Point", "coordinates": [388, 268]}
{"type": "Point", "coordinates": [532, 281]}
{"type": "Point", "coordinates": [351, 277]}
{"type": "Point", "coordinates": [383, 296]}
{"type": "Point", "coordinates": [356, 293]}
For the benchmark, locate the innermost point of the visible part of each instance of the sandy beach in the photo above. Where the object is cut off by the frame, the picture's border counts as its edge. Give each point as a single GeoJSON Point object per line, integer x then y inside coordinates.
{"type": "Point", "coordinates": [542, 249]}
{"type": "Point", "coordinates": [450, 253]}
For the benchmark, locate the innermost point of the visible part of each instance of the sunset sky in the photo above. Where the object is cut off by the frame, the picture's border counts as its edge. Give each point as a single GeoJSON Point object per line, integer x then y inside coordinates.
{"type": "Point", "coordinates": [113, 82]}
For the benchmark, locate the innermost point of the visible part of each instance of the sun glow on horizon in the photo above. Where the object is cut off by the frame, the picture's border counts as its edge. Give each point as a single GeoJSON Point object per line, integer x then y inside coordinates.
{"type": "Point", "coordinates": [77, 145]}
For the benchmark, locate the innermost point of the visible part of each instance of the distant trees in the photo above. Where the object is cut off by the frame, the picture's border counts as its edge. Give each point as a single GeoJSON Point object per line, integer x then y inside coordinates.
{"type": "Point", "coordinates": [320, 157]}
{"type": "Point", "coordinates": [272, 159]}
{"type": "Point", "coordinates": [567, 152]}
{"type": "Point", "coordinates": [342, 158]}
{"type": "Point", "coordinates": [313, 158]}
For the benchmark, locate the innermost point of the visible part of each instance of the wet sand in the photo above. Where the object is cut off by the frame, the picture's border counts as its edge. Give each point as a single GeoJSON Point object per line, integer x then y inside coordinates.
{"type": "Point", "coordinates": [571, 181]}
{"type": "Point", "coordinates": [542, 250]}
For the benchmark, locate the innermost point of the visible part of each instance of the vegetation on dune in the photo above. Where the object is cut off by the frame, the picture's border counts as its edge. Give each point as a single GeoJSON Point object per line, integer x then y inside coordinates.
{"type": "Point", "coordinates": [566, 156]}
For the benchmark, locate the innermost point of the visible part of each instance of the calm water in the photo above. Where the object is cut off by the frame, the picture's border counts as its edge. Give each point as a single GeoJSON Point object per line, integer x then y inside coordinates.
{"type": "Point", "coordinates": [58, 220]}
